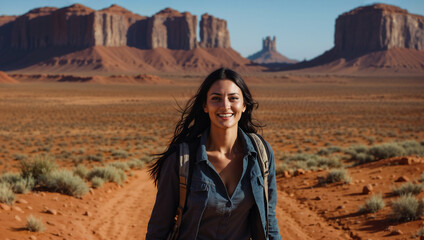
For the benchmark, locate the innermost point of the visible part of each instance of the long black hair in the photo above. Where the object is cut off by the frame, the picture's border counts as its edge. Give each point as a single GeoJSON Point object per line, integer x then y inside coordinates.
{"type": "Point", "coordinates": [194, 120]}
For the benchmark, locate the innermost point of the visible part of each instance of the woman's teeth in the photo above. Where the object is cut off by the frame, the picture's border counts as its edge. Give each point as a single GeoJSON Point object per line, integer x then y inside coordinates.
{"type": "Point", "coordinates": [225, 115]}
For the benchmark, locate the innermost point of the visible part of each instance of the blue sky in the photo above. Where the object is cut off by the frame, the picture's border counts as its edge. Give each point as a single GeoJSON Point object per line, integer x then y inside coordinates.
{"type": "Point", "coordinates": [304, 28]}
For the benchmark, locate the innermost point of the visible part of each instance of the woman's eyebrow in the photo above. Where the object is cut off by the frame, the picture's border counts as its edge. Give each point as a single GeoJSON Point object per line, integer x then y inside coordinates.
{"type": "Point", "coordinates": [215, 93]}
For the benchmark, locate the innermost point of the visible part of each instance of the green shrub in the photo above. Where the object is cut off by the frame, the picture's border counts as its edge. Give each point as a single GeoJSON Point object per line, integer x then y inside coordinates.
{"type": "Point", "coordinates": [34, 224]}
{"type": "Point", "coordinates": [407, 208]}
{"type": "Point", "coordinates": [279, 170]}
{"type": "Point", "coordinates": [136, 164]}
{"type": "Point", "coordinates": [420, 232]}
{"type": "Point", "coordinates": [20, 156]}
{"type": "Point", "coordinates": [108, 173]}
{"type": "Point", "coordinates": [37, 166]}
{"type": "Point", "coordinates": [6, 194]}
{"type": "Point", "coordinates": [386, 150]}
{"type": "Point", "coordinates": [17, 183]}
{"type": "Point", "coordinates": [97, 182]}
{"type": "Point", "coordinates": [120, 153]}
{"type": "Point", "coordinates": [66, 182]}
{"type": "Point", "coordinates": [408, 188]}
{"type": "Point", "coordinates": [81, 171]}
{"type": "Point", "coordinates": [338, 175]}
{"type": "Point", "coordinates": [120, 165]}
{"type": "Point", "coordinates": [372, 204]}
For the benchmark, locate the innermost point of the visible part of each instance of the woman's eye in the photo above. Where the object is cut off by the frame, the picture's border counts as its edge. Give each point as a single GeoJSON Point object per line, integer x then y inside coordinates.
{"type": "Point", "coordinates": [215, 98]}
{"type": "Point", "coordinates": [233, 98]}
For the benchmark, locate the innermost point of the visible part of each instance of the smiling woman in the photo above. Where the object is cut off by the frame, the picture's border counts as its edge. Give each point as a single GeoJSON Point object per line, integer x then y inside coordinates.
{"type": "Point", "coordinates": [228, 197]}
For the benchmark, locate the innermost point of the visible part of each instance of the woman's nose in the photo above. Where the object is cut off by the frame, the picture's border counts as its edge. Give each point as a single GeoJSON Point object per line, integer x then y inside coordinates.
{"type": "Point", "coordinates": [226, 103]}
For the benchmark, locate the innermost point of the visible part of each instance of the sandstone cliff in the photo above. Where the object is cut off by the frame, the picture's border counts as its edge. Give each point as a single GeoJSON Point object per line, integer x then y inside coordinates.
{"type": "Point", "coordinates": [79, 27]}
{"type": "Point", "coordinates": [378, 27]}
{"type": "Point", "coordinates": [374, 38]}
{"type": "Point", "coordinates": [172, 29]}
{"type": "Point", "coordinates": [214, 32]}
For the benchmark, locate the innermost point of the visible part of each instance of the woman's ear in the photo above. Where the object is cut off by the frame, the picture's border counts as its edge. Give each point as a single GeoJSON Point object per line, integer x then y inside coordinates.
{"type": "Point", "coordinates": [205, 108]}
{"type": "Point", "coordinates": [244, 107]}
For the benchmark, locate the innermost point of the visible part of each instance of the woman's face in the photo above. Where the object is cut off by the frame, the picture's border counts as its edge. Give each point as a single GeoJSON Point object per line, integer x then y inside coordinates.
{"type": "Point", "coordinates": [224, 104]}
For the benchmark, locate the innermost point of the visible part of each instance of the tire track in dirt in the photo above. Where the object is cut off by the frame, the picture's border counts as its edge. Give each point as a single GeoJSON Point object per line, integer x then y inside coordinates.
{"type": "Point", "coordinates": [297, 221]}
{"type": "Point", "coordinates": [125, 212]}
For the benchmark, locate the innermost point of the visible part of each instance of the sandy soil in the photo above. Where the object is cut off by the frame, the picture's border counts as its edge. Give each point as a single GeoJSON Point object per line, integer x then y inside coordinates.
{"type": "Point", "coordinates": [302, 113]}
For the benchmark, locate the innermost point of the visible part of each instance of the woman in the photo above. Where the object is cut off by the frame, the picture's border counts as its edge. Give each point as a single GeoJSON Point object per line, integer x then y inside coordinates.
{"type": "Point", "coordinates": [225, 191]}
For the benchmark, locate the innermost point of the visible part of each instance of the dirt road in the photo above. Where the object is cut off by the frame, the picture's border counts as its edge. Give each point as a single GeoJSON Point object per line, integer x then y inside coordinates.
{"type": "Point", "coordinates": [125, 212]}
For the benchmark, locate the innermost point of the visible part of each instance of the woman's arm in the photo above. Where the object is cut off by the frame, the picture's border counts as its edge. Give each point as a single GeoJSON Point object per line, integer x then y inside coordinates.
{"type": "Point", "coordinates": [162, 218]}
{"type": "Point", "coordinates": [272, 198]}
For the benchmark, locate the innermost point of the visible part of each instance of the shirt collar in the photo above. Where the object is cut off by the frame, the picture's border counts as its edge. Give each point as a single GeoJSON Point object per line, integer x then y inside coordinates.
{"type": "Point", "coordinates": [201, 152]}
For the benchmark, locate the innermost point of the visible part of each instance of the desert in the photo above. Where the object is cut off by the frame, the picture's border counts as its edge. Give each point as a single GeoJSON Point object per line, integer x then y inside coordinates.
{"type": "Point", "coordinates": [346, 128]}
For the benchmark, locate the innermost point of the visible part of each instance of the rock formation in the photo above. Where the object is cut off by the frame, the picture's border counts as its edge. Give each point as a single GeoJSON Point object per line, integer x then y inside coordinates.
{"type": "Point", "coordinates": [378, 27]}
{"type": "Point", "coordinates": [214, 32]}
{"type": "Point", "coordinates": [172, 29]}
{"type": "Point", "coordinates": [373, 38]}
{"type": "Point", "coordinates": [78, 26]}
{"type": "Point", "coordinates": [269, 53]}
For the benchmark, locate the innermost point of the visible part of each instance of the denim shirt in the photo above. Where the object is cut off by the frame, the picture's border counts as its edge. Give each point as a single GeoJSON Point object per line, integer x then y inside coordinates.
{"type": "Point", "coordinates": [203, 190]}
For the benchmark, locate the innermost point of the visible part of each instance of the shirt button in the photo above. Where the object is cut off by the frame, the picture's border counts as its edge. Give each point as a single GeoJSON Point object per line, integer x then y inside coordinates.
{"type": "Point", "coordinates": [228, 204]}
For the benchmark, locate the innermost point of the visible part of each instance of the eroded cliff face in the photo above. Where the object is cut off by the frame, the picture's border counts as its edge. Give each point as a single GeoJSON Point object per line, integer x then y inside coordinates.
{"type": "Point", "coordinates": [78, 26]}
{"type": "Point", "coordinates": [214, 32]}
{"type": "Point", "coordinates": [378, 27]}
{"type": "Point", "coordinates": [172, 29]}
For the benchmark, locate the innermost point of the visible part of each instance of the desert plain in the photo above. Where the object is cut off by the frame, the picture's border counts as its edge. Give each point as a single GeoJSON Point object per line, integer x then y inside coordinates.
{"type": "Point", "coordinates": [302, 113]}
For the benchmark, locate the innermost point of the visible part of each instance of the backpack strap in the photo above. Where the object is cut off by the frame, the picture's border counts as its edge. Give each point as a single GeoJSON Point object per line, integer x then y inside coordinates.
{"type": "Point", "coordinates": [184, 156]}
{"type": "Point", "coordinates": [263, 160]}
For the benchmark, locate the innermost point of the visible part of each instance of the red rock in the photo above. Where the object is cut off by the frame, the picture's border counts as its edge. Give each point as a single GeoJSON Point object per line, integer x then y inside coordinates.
{"type": "Point", "coordinates": [299, 172]}
{"type": "Point", "coordinates": [286, 174]}
{"type": "Point", "coordinates": [367, 189]}
{"type": "Point", "coordinates": [402, 179]}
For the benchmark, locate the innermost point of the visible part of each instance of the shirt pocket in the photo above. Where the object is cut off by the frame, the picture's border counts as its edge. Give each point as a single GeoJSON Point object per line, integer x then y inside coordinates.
{"type": "Point", "coordinates": [198, 193]}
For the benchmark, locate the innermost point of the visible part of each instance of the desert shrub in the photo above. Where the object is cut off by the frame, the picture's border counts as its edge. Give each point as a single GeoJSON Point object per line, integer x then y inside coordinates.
{"type": "Point", "coordinates": [386, 150]}
{"type": "Point", "coordinates": [146, 158]}
{"type": "Point", "coordinates": [6, 194]}
{"type": "Point", "coordinates": [420, 232]}
{"type": "Point", "coordinates": [81, 171]}
{"type": "Point", "coordinates": [372, 204]}
{"type": "Point", "coordinates": [17, 183]}
{"type": "Point", "coordinates": [279, 170]}
{"type": "Point", "coordinates": [96, 158]}
{"type": "Point", "coordinates": [66, 182]}
{"type": "Point", "coordinates": [338, 175]}
{"type": "Point", "coordinates": [34, 224]}
{"type": "Point", "coordinates": [408, 188]}
{"type": "Point", "coordinates": [120, 153]}
{"type": "Point", "coordinates": [412, 147]}
{"type": "Point", "coordinates": [407, 208]}
{"type": "Point", "coordinates": [20, 156]}
{"type": "Point", "coordinates": [108, 173]}
{"type": "Point", "coordinates": [136, 164]}
{"type": "Point", "coordinates": [422, 177]}
{"type": "Point", "coordinates": [362, 154]}
{"type": "Point", "coordinates": [120, 165]}
{"type": "Point", "coordinates": [97, 182]}
{"type": "Point", "coordinates": [37, 166]}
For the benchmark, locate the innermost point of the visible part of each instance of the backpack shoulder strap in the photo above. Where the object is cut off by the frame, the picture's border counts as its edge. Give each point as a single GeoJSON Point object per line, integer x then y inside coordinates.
{"type": "Point", "coordinates": [263, 160]}
{"type": "Point", "coordinates": [184, 163]}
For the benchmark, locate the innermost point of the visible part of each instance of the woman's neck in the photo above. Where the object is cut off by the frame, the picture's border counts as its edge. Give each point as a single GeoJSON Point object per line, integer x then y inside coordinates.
{"type": "Point", "coordinates": [223, 140]}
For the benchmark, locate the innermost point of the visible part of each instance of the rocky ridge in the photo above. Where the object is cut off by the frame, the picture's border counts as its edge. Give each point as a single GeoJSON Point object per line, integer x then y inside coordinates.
{"type": "Point", "coordinates": [78, 26]}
